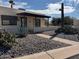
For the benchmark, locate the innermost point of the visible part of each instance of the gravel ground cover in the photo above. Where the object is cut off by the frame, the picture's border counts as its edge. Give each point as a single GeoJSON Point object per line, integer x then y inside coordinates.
{"type": "Point", "coordinates": [29, 45]}
{"type": "Point", "coordinates": [74, 57]}
{"type": "Point", "coordinates": [73, 37]}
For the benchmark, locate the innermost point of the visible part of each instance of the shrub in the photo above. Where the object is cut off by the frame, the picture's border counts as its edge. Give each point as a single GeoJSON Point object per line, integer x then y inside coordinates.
{"type": "Point", "coordinates": [67, 30]}
{"type": "Point", "coordinates": [7, 39]}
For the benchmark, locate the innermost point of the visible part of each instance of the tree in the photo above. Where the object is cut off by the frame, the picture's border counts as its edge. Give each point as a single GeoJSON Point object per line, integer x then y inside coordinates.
{"type": "Point", "coordinates": [56, 21]}
{"type": "Point", "coordinates": [12, 3]}
{"type": "Point", "coordinates": [67, 21]}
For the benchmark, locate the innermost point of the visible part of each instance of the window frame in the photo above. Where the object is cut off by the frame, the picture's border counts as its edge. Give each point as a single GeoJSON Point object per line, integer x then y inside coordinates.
{"type": "Point", "coordinates": [37, 22]}
{"type": "Point", "coordinates": [23, 21]}
{"type": "Point", "coordinates": [3, 18]}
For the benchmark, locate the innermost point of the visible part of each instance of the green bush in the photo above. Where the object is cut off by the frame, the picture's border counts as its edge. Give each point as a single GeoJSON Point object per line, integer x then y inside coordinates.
{"type": "Point", "coordinates": [7, 39]}
{"type": "Point", "coordinates": [69, 30]}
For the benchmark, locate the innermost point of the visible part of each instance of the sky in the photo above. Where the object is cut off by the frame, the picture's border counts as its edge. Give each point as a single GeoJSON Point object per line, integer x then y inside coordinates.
{"type": "Point", "coordinates": [48, 7]}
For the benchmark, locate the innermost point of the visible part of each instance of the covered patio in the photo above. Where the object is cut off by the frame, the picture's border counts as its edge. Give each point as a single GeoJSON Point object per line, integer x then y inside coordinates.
{"type": "Point", "coordinates": [33, 22]}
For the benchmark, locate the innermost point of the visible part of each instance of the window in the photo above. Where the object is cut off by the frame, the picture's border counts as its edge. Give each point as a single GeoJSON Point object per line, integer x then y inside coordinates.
{"type": "Point", "coordinates": [37, 22]}
{"type": "Point", "coordinates": [9, 20]}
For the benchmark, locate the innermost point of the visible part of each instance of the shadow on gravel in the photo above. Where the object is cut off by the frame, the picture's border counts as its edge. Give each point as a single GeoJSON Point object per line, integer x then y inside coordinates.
{"type": "Point", "coordinates": [4, 49]}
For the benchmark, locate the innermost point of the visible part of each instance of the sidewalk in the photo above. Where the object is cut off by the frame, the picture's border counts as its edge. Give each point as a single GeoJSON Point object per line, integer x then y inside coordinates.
{"type": "Point", "coordinates": [61, 53]}
{"type": "Point", "coordinates": [42, 55]}
{"type": "Point", "coordinates": [66, 52]}
{"type": "Point", "coordinates": [59, 39]}
{"type": "Point", "coordinates": [65, 41]}
{"type": "Point", "coordinates": [43, 35]}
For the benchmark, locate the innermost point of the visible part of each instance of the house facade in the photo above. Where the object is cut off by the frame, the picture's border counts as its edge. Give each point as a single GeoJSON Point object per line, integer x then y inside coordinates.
{"type": "Point", "coordinates": [19, 21]}
{"type": "Point", "coordinates": [76, 23]}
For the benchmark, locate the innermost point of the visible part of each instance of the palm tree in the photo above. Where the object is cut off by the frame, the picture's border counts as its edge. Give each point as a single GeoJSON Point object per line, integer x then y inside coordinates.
{"type": "Point", "coordinates": [12, 3]}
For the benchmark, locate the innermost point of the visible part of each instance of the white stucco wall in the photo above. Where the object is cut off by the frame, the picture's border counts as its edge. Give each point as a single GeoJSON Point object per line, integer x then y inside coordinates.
{"type": "Point", "coordinates": [9, 11]}
{"type": "Point", "coordinates": [9, 28]}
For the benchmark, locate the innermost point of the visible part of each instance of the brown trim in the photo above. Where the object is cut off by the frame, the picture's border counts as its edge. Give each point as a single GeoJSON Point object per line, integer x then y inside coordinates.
{"type": "Point", "coordinates": [31, 14]}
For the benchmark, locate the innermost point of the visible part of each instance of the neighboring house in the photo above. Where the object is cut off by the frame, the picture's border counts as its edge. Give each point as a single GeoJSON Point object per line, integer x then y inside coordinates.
{"type": "Point", "coordinates": [76, 23]}
{"type": "Point", "coordinates": [18, 21]}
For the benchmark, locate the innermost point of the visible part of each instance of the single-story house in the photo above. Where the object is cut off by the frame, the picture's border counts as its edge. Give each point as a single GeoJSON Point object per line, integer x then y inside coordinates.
{"type": "Point", "coordinates": [19, 21]}
{"type": "Point", "coordinates": [76, 23]}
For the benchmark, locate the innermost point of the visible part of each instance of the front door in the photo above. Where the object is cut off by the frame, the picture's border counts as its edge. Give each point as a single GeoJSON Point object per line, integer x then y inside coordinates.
{"type": "Point", "coordinates": [23, 25]}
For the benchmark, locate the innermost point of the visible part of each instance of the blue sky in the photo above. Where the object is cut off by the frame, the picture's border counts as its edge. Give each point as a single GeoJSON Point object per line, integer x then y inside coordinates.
{"type": "Point", "coordinates": [48, 7]}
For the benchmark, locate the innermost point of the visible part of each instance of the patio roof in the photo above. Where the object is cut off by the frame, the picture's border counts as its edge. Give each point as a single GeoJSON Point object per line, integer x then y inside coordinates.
{"type": "Point", "coordinates": [33, 14]}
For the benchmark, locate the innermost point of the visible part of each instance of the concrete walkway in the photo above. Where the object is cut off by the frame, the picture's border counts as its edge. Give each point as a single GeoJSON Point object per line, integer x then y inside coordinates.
{"type": "Point", "coordinates": [42, 55]}
{"type": "Point", "coordinates": [65, 41]}
{"type": "Point", "coordinates": [44, 36]}
{"type": "Point", "coordinates": [59, 39]}
{"type": "Point", "coordinates": [61, 53]}
{"type": "Point", "coordinates": [65, 52]}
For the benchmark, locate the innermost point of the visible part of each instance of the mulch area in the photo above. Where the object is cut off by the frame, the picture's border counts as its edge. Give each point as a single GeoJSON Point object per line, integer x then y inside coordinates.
{"type": "Point", "coordinates": [30, 45]}
{"type": "Point", "coordinates": [73, 37]}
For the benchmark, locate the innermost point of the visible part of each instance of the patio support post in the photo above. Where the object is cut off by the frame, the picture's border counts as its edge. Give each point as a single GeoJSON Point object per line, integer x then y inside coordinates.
{"type": "Point", "coordinates": [48, 22]}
